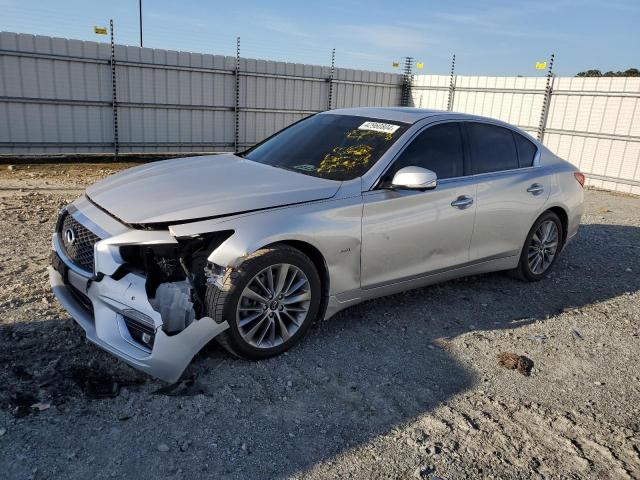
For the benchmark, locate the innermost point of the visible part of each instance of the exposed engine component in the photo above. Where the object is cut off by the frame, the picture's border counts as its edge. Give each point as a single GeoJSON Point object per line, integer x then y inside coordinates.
{"type": "Point", "coordinates": [173, 302]}
{"type": "Point", "coordinates": [214, 274]}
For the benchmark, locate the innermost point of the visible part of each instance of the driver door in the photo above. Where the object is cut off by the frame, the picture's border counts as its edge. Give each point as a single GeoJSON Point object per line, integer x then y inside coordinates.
{"type": "Point", "coordinates": [411, 233]}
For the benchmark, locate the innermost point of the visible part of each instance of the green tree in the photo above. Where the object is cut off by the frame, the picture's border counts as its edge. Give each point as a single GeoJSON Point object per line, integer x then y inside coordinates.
{"type": "Point", "coordinates": [629, 72]}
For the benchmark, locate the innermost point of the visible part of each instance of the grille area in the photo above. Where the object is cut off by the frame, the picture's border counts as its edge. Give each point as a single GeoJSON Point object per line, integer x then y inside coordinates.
{"type": "Point", "coordinates": [77, 241]}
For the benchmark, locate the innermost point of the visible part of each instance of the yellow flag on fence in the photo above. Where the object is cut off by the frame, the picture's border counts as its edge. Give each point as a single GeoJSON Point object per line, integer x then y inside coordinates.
{"type": "Point", "coordinates": [541, 65]}
{"type": "Point", "coordinates": [419, 65]}
{"type": "Point", "coordinates": [395, 64]}
{"type": "Point", "coordinates": [99, 30]}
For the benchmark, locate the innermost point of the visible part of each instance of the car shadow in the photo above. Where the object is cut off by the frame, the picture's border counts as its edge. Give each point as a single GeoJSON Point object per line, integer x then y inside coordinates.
{"type": "Point", "coordinates": [361, 374]}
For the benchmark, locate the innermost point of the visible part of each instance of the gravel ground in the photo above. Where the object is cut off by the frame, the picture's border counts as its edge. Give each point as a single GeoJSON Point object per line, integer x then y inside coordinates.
{"type": "Point", "coordinates": [406, 386]}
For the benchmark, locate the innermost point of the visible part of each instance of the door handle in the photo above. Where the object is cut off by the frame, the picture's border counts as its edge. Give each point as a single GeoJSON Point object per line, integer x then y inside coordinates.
{"type": "Point", "coordinates": [462, 202]}
{"type": "Point", "coordinates": [535, 189]}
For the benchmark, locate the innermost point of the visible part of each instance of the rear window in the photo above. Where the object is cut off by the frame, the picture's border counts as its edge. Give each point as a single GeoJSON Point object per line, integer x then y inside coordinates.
{"type": "Point", "coordinates": [492, 148]}
{"type": "Point", "coordinates": [526, 150]}
{"type": "Point", "coordinates": [337, 147]}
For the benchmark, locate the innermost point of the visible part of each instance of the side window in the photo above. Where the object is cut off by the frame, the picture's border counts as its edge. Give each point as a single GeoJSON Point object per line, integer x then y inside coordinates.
{"type": "Point", "coordinates": [438, 148]}
{"type": "Point", "coordinates": [526, 150]}
{"type": "Point", "coordinates": [492, 148]}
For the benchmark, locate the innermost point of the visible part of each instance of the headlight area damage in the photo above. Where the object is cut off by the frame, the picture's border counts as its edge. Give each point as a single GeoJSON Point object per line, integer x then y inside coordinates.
{"type": "Point", "coordinates": [145, 302]}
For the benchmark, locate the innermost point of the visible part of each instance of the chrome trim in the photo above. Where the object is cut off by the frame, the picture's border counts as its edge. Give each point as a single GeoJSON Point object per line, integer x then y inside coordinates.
{"type": "Point", "coordinates": [432, 121]}
{"type": "Point", "coordinates": [83, 220]}
{"type": "Point", "coordinates": [67, 261]}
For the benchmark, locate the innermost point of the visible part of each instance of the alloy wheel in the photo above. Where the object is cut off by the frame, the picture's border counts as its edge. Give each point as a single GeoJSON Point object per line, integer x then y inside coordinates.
{"type": "Point", "coordinates": [273, 305]}
{"type": "Point", "coordinates": [543, 247]}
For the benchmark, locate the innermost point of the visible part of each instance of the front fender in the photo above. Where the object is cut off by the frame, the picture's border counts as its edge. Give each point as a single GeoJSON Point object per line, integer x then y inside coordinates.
{"type": "Point", "coordinates": [333, 227]}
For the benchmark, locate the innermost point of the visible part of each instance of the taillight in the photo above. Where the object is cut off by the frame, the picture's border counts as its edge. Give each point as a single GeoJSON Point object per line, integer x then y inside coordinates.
{"type": "Point", "coordinates": [579, 177]}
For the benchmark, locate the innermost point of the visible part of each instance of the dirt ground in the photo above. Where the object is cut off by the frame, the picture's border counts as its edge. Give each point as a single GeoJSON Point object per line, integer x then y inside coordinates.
{"type": "Point", "coordinates": [406, 386]}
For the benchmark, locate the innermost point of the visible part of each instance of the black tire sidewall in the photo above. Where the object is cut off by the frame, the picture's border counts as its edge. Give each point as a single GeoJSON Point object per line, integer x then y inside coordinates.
{"type": "Point", "coordinates": [247, 271]}
{"type": "Point", "coordinates": [524, 268]}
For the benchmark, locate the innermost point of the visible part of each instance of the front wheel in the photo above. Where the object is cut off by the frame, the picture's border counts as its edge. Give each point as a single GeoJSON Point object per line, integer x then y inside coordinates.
{"type": "Point", "coordinates": [270, 302]}
{"type": "Point", "coordinates": [541, 248]}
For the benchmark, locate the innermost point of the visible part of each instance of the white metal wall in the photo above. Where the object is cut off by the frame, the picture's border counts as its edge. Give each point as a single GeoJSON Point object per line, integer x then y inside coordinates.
{"type": "Point", "coordinates": [56, 97]}
{"type": "Point", "coordinates": [595, 124]}
{"type": "Point", "coordinates": [592, 122]}
{"type": "Point", "coordinates": [52, 101]}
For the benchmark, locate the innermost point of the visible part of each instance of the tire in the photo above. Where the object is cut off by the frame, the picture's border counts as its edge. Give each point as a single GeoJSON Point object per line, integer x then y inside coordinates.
{"type": "Point", "coordinates": [525, 271]}
{"type": "Point", "coordinates": [222, 303]}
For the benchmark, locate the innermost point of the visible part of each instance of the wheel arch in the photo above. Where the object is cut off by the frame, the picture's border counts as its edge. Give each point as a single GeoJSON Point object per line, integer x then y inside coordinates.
{"type": "Point", "coordinates": [564, 220]}
{"type": "Point", "coordinates": [236, 249]}
{"type": "Point", "coordinates": [318, 260]}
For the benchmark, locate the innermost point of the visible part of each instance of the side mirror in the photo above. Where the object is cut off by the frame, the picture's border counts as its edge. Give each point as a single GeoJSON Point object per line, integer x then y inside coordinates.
{"type": "Point", "coordinates": [414, 178]}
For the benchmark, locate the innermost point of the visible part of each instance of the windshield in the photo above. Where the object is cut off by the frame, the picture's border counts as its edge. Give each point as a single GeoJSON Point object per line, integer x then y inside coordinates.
{"type": "Point", "coordinates": [337, 147]}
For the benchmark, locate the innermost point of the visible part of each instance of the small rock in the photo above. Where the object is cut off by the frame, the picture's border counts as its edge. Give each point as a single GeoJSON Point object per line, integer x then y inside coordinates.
{"type": "Point", "coordinates": [289, 384]}
{"type": "Point", "coordinates": [41, 406]}
{"type": "Point", "coordinates": [421, 472]}
{"type": "Point", "coordinates": [163, 447]}
{"type": "Point", "coordinates": [628, 269]}
{"type": "Point", "coordinates": [11, 167]}
{"type": "Point", "coordinates": [244, 447]}
{"type": "Point", "coordinates": [2, 431]}
{"type": "Point", "coordinates": [540, 337]}
{"type": "Point", "coordinates": [598, 384]}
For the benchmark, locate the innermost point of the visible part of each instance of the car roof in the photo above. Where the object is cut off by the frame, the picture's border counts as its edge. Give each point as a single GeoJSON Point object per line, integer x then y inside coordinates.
{"type": "Point", "coordinates": [410, 114]}
{"type": "Point", "coordinates": [397, 114]}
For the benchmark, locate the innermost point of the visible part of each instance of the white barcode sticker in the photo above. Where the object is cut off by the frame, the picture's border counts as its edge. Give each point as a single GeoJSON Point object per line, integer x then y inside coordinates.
{"type": "Point", "coordinates": [379, 127]}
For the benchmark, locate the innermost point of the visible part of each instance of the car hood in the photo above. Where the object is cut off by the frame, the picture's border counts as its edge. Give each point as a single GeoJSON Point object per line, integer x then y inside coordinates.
{"type": "Point", "coordinates": [179, 190]}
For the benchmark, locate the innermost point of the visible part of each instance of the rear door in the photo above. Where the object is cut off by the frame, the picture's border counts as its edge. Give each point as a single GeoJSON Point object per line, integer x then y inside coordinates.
{"type": "Point", "coordinates": [409, 233]}
{"type": "Point", "coordinates": [512, 189]}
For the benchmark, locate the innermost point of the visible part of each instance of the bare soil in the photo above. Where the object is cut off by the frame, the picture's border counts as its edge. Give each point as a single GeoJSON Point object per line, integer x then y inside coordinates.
{"type": "Point", "coordinates": [407, 386]}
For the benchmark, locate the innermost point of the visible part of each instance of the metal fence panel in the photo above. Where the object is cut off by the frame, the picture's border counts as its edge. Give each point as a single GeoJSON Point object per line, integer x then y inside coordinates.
{"type": "Point", "coordinates": [431, 91]}
{"type": "Point", "coordinates": [56, 97]}
{"type": "Point", "coordinates": [593, 122]}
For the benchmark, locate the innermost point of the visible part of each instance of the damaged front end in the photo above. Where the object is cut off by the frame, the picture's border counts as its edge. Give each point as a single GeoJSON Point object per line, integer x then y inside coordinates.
{"type": "Point", "coordinates": [175, 276]}
{"type": "Point", "coordinates": [143, 301]}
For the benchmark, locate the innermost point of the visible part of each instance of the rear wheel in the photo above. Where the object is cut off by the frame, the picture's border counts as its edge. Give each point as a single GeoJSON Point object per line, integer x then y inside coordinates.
{"type": "Point", "coordinates": [541, 248]}
{"type": "Point", "coordinates": [270, 302]}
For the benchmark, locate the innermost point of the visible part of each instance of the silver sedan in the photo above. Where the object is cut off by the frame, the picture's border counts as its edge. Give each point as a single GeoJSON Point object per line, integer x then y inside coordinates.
{"type": "Point", "coordinates": [343, 206]}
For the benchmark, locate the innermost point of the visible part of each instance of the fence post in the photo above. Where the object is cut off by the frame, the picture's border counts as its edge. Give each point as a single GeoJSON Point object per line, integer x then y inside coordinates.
{"type": "Point", "coordinates": [452, 84]}
{"type": "Point", "coordinates": [406, 81]}
{"type": "Point", "coordinates": [114, 95]}
{"type": "Point", "coordinates": [236, 140]}
{"type": "Point", "coordinates": [331, 73]}
{"type": "Point", "coordinates": [546, 103]}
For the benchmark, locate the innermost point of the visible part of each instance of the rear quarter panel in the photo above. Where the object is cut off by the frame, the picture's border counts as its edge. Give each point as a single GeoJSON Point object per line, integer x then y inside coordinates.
{"type": "Point", "coordinates": [565, 191]}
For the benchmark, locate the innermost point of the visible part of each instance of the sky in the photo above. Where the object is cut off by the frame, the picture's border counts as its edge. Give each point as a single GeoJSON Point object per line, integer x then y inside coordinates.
{"type": "Point", "coordinates": [493, 37]}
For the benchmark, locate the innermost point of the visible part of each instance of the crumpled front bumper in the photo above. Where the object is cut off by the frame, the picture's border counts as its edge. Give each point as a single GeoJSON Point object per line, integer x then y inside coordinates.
{"type": "Point", "coordinates": [105, 326]}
